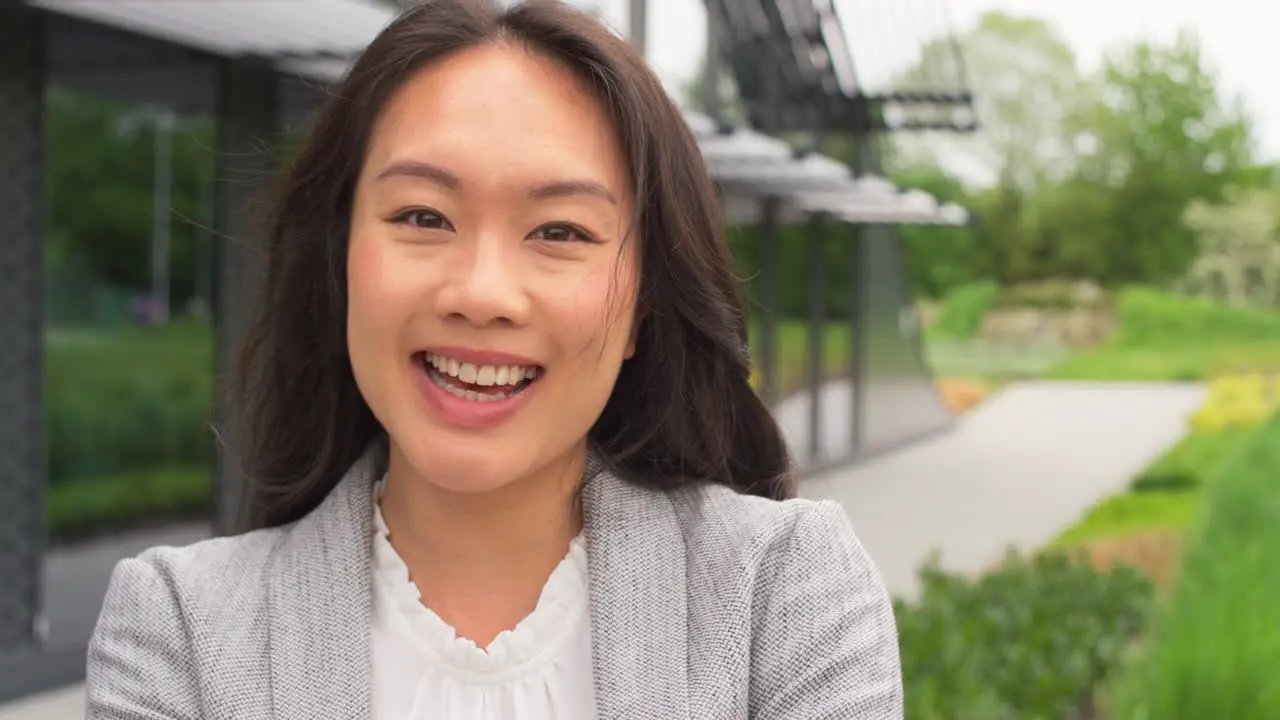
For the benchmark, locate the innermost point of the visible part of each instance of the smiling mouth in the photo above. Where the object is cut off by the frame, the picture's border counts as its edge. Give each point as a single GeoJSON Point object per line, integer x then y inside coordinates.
{"type": "Point", "coordinates": [477, 383]}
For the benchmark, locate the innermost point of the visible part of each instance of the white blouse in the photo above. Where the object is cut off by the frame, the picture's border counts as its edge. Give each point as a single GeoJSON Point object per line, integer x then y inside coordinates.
{"type": "Point", "coordinates": [540, 670]}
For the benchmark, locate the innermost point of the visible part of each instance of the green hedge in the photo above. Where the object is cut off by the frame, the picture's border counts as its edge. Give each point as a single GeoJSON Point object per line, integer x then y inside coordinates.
{"type": "Point", "coordinates": [77, 510]}
{"type": "Point", "coordinates": [1150, 317]}
{"type": "Point", "coordinates": [1215, 648]}
{"type": "Point", "coordinates": [961, 311]}
{"type": "Point", "coordinates": [1033, 639]}
{"type": "Point", "coordinates": [128, 401]}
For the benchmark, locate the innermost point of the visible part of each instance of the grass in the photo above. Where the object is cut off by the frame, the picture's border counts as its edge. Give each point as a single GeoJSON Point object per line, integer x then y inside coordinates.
{"type": "Point", "coordinates": [1132, 512]}
{"type": "Point", "coordinates": [1215, 647]}
{"type": "Point", "coordinates": [1167, 337]}
{"type": "Point", "coordinates": [1188, 464]}
{"type": "Point", "coordinates": [1180, 362]}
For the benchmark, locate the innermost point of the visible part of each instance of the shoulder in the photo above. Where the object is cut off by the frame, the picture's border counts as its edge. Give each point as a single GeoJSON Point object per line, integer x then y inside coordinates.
{"type": "Point", "coordinates": [810, 603]}
{"type": "Point", "coordinates": [759, 533]}
{"type": "Point", "coordinates": [167, 608]}
{"type": "Point", "coordinates": [221, 568]}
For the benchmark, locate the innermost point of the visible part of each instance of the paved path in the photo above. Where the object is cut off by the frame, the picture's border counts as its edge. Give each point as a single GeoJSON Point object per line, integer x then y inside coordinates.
{"type": "Point", "coordinates": [1014, 471]}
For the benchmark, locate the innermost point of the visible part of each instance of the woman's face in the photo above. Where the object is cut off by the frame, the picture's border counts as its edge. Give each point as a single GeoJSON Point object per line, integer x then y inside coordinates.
{"type": "Point", "coordinates": [492, 297]}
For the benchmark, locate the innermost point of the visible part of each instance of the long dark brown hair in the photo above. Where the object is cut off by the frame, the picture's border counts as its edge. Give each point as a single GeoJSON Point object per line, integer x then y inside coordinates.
{"type": "Point", "coordinates": [683, 409]}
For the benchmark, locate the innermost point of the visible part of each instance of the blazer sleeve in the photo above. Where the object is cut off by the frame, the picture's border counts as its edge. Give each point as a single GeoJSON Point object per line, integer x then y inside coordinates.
{"type": "Point", "coordinates": [139, 660]}
{"type": "Point", "coordinates": [826, 643]}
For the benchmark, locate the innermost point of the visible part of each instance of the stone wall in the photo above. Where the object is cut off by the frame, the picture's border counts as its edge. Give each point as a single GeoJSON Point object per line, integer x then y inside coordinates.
{"type": "Point", "coordinates": [1080, 327]}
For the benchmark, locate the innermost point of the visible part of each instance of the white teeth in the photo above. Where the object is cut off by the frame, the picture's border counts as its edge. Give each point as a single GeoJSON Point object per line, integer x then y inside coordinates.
{"type": "Point", "coordinates": [482, 375]}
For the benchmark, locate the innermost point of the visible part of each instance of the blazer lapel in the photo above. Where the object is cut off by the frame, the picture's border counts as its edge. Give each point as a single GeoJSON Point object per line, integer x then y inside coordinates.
{"type": "Point", "coordinates": [639, 621]}
{"type": "Point", "coordinates": [321, 605]}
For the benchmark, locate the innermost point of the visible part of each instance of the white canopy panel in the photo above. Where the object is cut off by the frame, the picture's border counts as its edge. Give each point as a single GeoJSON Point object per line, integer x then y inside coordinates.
{"type": "Point", "coordinates": [312, 38]}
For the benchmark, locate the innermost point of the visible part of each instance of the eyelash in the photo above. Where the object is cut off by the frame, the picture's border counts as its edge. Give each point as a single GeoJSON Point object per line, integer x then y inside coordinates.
{"type": "Point", "coordinates": [406, 216]}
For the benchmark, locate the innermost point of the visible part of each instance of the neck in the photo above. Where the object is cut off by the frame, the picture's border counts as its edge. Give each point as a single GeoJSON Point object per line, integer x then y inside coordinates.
{"type": "Point", "coordinates": [480, 560]}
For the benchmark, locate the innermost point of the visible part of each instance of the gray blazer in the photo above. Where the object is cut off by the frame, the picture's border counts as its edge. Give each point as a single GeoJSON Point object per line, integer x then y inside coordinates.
{"type": "Point", "coordinates": [704, 604]}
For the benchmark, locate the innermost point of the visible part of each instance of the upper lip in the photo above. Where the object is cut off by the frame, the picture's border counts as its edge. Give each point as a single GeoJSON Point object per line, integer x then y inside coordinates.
{"type": "Point", "coordinates": [481, 357]}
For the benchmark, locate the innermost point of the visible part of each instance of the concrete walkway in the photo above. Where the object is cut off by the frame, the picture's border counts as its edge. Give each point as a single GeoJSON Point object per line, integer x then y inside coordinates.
{"type": "Point", "coordinates": [1014, 472]}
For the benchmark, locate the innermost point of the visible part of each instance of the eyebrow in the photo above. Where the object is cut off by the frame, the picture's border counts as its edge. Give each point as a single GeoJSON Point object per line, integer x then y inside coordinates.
{"type": "Point", "coordinates": [548, 191]}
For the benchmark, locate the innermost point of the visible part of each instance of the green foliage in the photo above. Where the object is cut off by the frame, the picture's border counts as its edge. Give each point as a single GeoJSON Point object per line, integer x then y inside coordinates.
{"type": "Point", "coordinates": [1169, 337]}
{"type": "Point", "coordinates": [1149, 317]}
{"type": "Point", "coordinates": [1132, 512]}
{"type": "Point", "coordinates": [101, 179]}
{"type": "Point", "coordinates": [1188, 464]}
{"type": "Point", "coordinates": [83, 507]}
{"type": "Point", "coordinates": [792, 268]}
{"type": "Point", "coordinates": [939, 258]}
{"type": "Point", "coordinates": [1029, 640]}
{"type": "Point", "coordinates": [1214, 649]}
{"type": "Point", "coordinates": [128, 401]}
{"type": "Point", "coordinates": [961, 312]}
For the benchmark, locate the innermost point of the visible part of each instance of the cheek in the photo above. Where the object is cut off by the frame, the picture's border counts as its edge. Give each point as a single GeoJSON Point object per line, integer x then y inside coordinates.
{"type": "Point", "coordinates": [373, 304]}
{"type": "Point", "coordinates": [599, 317]}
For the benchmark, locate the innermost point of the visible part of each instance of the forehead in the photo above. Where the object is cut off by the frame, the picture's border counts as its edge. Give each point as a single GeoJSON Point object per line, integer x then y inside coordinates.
{"type": "Point", "coordinates": [500, 108]}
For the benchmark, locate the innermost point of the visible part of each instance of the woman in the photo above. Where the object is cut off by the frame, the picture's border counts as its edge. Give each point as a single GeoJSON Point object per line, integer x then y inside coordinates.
{"type": "Point", "coordinates": [506, 460]}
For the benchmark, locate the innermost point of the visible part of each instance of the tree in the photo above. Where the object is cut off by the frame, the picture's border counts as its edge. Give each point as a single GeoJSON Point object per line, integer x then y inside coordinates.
{"type": "Point", "coordinates": [1239, 248]}
{"type": "Point", "coordinates": [1156, 135]}
{"type": "Point", "coordinates": [1024, 79]}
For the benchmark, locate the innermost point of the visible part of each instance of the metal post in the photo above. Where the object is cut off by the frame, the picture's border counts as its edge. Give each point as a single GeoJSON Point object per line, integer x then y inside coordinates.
{"type": "Point", "coordinates": [712, 65]}
{"type": "Point", "coordinates": [248, 115]}
{"type": "Point", "coordinates": [162, 193]}
{"type": "Point", "coordinates": [638, 25]}
{"type": "Point", "coordinates": [769, 300]}
{"type": "Point", "coordinates": [816, 242]}
{"type": "Point", "coordinates": [857, 338]}
{"type": "Point", "coordinates": [22, 227]}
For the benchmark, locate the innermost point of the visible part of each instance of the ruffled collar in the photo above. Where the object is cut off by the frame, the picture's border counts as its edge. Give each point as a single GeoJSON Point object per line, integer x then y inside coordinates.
{"type": "Point", "coordinates": [560, 611]}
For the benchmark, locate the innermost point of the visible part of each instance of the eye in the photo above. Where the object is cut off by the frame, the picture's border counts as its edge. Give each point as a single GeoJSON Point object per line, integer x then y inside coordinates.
{"type": "Point", "coordinates": [561, 233]}
{"type": "Point", "coordinates": [423, 219]}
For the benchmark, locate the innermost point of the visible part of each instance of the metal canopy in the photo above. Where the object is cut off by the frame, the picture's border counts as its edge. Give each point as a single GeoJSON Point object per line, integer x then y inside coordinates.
{"type": "Point", "coordinates": [315, 39]}
{"type": "Point", "coordinates": [749, 165]}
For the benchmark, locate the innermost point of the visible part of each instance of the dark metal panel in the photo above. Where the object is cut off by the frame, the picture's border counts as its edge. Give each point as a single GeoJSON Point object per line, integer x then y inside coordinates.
{"type": "Point", "coordinates": [768, 301]}
{"type": "Point", "coordinates": [22, 207]}
{"type": "Point", "coordinates": [816, 240]}
{"type": "Point", "coordinates": [248, 121]}
{"type": "Point", "coordinates": [129, 67]}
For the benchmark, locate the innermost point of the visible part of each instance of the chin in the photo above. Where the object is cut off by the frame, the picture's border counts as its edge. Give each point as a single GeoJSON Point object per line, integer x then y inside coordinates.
{"type": "Point", "coordinates": [465, 468]}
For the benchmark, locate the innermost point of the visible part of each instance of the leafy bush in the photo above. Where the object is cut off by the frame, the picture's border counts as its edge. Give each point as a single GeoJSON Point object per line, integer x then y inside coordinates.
{"type": "Point", "coordinates": [1214, 649]}
{"type": "Point", "coordinates": [961, 311]}
{"type": "Point", "coordinates": [1187, 464]}
{"type": "Point", "coordinates": [128, 401]}
{"type": "Point", "coordinates": [1151, 317]}
{"type": "Point", "coordinates": [1237, 401]}
{"type": "Point", "coordinates": [1032, 639]}
{"type": "Point", "coordinates": [74, 510]}
{"type": "Point", "coordinates": [1169, 337]}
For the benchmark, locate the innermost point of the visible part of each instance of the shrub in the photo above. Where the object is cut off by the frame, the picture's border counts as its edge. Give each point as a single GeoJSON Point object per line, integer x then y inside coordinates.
{"type": "Point", "coordinates": [75, 510]}
{"type": "Point", "coordinates": [128, 401]}
{"type": "Point", "coordinates": [1237, 401]}
{"type": "Point", "coordinates": [1187, 464]}
{"type": "Point", "coordinates": [1032, 639]}
{"type": "Point", "coordinates": [1215, 648]}
{"type": "Point", "coordinates": [961, 312]}
{"type": "Point", "coordinates": [1151, 317]}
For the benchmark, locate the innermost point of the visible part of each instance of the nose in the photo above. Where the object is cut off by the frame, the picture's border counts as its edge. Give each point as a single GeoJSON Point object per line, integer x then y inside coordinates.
{"type": "Point", "coordinates": [484, 287]}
